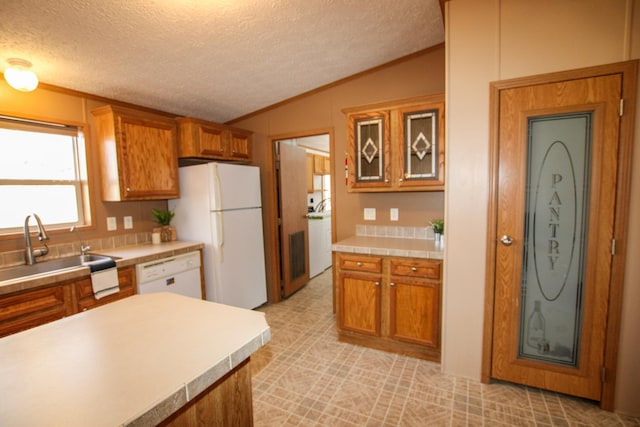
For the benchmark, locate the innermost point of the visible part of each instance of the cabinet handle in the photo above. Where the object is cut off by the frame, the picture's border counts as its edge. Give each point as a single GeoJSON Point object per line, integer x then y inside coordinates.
{"type": "Point", "coordinates": [414, 269]}
{"type": "Point", "coordinates": [392, 284]}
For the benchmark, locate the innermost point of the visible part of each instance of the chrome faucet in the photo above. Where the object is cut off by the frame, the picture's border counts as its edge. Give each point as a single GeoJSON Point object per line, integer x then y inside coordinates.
{"type": "Point", "coordinates": [29, 252]}
{"type": "Point", "coordinates": [322, 205]}
{"type": "Point", "coordinates": [83, 248]}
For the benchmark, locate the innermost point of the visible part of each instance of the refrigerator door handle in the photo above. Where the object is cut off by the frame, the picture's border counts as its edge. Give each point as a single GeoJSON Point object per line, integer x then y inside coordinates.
{"type": "Point", "coordinates": [217, 191]}
{"type": "Point", "coordinates": [218, 228]}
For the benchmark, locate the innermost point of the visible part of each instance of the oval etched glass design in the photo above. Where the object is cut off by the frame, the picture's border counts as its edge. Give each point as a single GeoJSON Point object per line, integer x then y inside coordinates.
{"type": "Point", "coordinates": [554, 220]}
{"type": "Point", "coordinates": [555, 237]}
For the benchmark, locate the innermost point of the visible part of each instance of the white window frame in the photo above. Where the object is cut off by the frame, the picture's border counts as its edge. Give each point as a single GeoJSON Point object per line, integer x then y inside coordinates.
{"type": "Point", "coordinates": [79, 132]}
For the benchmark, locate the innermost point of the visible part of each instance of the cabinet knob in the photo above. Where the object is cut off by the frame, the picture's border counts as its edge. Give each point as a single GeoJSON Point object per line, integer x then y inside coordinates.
{"type": "Point", "coordinates": [414, 269]}
{"type": "Point", "coordinates": [401, 179]}
{"type": "Point", "coordinates": [392, 284]}
{"type": "Point", "coordinates": [359, 264]}
{"type": "Point", "coordinates": [128, 189]}
{"type": "Point", "coordinates": [376, 283]}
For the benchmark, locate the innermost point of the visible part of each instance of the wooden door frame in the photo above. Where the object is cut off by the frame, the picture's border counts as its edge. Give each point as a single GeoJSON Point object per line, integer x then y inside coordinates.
{"type": "Point", "coordinates": [629, 71]}
{"type": "Point", "coordinates": [272, 215]}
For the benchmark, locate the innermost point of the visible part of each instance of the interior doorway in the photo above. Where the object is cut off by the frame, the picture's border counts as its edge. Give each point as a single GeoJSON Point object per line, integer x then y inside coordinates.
{"type": "Point", "coordinates": [302, 196]}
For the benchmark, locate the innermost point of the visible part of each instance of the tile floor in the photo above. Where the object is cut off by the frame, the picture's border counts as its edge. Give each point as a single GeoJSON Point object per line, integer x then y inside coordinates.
{"type": "Point", "coordinates": [306, 377]}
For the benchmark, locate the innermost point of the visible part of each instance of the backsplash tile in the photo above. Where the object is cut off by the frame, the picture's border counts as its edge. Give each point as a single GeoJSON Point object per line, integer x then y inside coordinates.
{"type": "Point", "coordinates": [425, 233]}
{"type": "Point", "coordinates": [13, 258]}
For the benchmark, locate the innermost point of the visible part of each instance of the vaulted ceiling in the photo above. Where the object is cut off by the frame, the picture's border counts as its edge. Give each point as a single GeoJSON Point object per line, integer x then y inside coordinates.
{"type": "Point", "coordinates": [212, 59]}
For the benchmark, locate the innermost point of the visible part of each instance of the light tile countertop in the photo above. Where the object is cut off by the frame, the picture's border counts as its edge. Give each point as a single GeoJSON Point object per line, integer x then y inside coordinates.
{"type": "Point", "coordinates": [131, 362]}
{"type": "Point", "coordinates": [390, 246]}
{"type": "Point", "coordinates": [126, 256]}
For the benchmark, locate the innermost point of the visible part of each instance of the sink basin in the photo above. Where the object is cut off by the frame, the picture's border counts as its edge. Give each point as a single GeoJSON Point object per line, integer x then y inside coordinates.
{"type": "Point", "coordinates": [94, 262]}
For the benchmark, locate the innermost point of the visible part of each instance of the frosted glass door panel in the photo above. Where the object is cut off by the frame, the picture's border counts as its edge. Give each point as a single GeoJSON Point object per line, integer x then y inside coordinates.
{"type": "Point", "coordinates": [556, 222]}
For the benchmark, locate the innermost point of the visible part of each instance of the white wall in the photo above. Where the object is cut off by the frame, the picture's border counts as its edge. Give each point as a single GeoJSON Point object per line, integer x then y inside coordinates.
{"type": "Point", "coordinates": [490, 40]}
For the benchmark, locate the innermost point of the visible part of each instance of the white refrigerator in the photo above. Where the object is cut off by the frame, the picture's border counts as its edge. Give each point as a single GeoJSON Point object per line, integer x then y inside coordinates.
{"type": "Point", "coordinates": [220, 205]}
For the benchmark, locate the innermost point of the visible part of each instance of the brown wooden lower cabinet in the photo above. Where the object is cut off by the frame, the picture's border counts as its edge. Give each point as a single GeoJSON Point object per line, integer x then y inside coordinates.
{"type": "Point", "coordinates": [27, 309]}
{"type": "Point", "coordinates": [226, 403]}
{"type": "Point", "coordinates": [389, 303]}
{"type": "Point", "coordinates": [84, 290]}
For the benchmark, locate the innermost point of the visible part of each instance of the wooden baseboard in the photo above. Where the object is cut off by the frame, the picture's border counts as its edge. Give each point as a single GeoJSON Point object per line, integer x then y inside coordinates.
{"type": "Point", "coordinates": [392, 346]}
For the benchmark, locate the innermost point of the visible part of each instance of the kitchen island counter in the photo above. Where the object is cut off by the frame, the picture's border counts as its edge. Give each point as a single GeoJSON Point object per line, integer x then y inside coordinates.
{"type": "Point", "coordinates": [132, 362]}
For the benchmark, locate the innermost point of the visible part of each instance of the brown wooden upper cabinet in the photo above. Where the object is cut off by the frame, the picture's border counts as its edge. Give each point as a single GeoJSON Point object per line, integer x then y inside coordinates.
{"type": "Point", "coordinates": [138, 154]}
{"type": "Point", "coordinates": [397, 146]}
{"type": "Point", "coordinates": [201, 139]}
{"type": "Point", "coordinates": [321, 165]}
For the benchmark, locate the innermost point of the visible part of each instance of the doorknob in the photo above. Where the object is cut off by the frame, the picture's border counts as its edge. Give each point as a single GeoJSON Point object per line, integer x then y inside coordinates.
{"type": "Point", "coordinates": [506, 240]}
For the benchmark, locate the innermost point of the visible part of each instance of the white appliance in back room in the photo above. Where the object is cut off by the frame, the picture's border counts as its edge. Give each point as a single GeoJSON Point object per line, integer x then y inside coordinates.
{"type": "Point", "coordinates": [220, 205]}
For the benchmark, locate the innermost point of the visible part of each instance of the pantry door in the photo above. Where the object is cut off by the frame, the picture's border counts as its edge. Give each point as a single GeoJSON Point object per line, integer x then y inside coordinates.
{"type": "Point", "coordinates": [555, 211]}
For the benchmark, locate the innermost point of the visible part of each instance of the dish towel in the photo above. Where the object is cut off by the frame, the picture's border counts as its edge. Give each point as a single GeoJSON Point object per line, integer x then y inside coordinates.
{"type": "Point", "coordinates": [105, 282]}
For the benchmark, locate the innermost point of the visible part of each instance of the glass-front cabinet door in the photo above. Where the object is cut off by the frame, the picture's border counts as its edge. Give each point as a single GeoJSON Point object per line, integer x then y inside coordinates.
{"type": "Point", "coordinates": [422, 151]}
{"type": "Point", "coordinates": [369, 150]}
{"type": "Point", "coordinates": [396, 146]}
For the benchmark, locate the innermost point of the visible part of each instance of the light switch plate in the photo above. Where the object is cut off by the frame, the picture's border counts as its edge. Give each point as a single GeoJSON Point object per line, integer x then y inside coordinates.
{"type": "Point", "coordinates": [370, 214]}
{"type": "Point", "coordinates": [393, 214]}
{"type": "Point", "coordinates": [128, 222]}
{"type": "Point", "coordinates": [112, 225]}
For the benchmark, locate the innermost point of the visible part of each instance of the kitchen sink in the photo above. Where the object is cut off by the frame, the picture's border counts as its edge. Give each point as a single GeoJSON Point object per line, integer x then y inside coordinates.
{"type": "Point", "coordinates": [94, 262]}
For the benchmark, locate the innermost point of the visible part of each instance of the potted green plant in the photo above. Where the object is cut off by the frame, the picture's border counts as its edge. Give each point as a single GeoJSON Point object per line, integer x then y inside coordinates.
{"type": "Point", "coordinates": [166, 230]}
{"type": "Point", "coordinates": [438, 229]}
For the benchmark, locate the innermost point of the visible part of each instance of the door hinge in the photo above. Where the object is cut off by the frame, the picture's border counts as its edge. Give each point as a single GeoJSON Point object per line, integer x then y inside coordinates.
{"type": "Point", "coordinates": [604, 374]}
{"type": "Point", "coordinates": [613, 246]}
{"type": "Point", "coordinates": [621, 107]}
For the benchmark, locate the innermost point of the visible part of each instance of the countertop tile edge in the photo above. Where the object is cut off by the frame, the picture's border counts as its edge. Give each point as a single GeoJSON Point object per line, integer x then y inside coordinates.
{"type": "Point", "coordinates": [193, 388]}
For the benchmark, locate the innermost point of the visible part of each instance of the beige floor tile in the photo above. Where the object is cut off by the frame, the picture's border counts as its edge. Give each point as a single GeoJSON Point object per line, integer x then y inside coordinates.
{"type": "Point", "coordinates": [306, 377]}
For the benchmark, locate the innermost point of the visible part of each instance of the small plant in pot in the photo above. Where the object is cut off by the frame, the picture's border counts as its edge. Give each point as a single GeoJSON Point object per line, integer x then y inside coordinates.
{"type": "Point", "coordinates": [438, 229]}
{"type": "Point", "coordinates": [166, 230]}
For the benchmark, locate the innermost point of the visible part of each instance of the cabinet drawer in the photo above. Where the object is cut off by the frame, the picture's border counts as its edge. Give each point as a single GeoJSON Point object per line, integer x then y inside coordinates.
{"type": "Point", "coordinates": [360, 263]}
{"type": "Point", "coordinates": [32, 308]}
{"type": "Point", "coordinates": [84, 290]}
{"type": "Point", "coordinates": [416, 268]}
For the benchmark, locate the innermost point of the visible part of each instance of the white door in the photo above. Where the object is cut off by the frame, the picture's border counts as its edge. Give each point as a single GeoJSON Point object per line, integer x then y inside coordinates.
{"type": "Point", "coordinates": [236, 273]}
{"type": "Point", "coordinates": [234, 186]}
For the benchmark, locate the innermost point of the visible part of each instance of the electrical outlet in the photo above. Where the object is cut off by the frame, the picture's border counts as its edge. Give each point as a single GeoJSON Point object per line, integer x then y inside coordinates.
{"type": "Point", "coordinates": [128, 222]}
{"type": "Point", "coordinates": [369, 214]}
{"type": "Point", "coordinates": [393, 214]}
{"type": "Point", "coordinates": [112, 225]}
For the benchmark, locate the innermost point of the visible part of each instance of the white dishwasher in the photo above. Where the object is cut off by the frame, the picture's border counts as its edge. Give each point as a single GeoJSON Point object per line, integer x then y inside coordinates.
{"type": "Point", "coordinates": [178, 274]}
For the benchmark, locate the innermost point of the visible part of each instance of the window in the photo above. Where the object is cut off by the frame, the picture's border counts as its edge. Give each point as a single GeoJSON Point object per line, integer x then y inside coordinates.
{"type": "Point", "coordinates": [42, 170]}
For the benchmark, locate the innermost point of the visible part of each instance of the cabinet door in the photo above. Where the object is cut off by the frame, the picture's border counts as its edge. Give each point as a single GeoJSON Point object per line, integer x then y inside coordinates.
{"type": "Point", "coordinates": [320, 165]}
{"type": "Point", "coordinates": [369, 157]}
{"type": "Point", "coordinates": [210, 141]}
{"type": "Point", "coordinates": [148, 159]}
{"type": "Point", "coordinates": [415, 311]}
{"type": "Point", "coordinates": [359, 307]}
{"type": "Point", "coordinates": [239, 144]}
{"type": "Point", "coordinates": [29, 309]}
{"type": "Point", "coordinates": [84, 290]}
{"type": "Point", "coordinates": [421, 146]}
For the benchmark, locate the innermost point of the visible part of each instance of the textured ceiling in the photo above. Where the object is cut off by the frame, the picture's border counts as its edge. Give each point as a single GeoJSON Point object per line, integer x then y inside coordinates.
{"type": "Point", "coordinates": [213, 59]}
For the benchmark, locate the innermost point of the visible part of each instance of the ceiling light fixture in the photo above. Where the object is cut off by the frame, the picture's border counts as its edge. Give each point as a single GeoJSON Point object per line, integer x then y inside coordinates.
{"type": "Point", "coordinates": [19, 75]}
